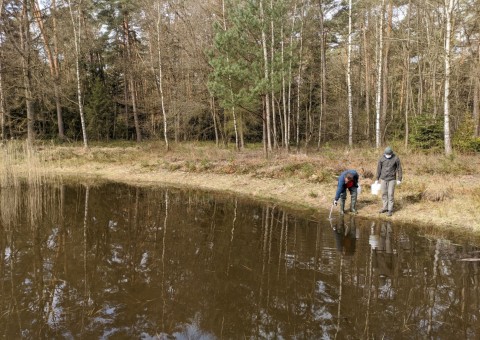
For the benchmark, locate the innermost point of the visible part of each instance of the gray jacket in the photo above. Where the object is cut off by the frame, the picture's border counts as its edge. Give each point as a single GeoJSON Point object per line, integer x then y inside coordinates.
{"type": "Point", "coordinates": [388, 168]}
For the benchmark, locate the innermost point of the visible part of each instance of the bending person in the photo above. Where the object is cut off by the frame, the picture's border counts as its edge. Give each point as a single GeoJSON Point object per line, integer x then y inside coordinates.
{"type": "Point", "coordinates": [347, 180]}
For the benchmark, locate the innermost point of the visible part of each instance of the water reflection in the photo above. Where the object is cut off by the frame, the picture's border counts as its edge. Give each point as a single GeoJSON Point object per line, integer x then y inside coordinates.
{"type": "Point", "coordinates": [346, 235]}
{"type": "Point", "coordinates": [92, 261]}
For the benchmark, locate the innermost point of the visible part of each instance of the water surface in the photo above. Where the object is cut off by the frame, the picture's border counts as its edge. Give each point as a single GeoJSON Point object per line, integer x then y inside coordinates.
{"type": "Point", "coordinates": [115, 261]}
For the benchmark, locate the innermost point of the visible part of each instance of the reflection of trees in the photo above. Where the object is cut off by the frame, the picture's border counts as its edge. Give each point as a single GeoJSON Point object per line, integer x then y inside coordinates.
{"type": "Point", "coordinates": [129, 261]}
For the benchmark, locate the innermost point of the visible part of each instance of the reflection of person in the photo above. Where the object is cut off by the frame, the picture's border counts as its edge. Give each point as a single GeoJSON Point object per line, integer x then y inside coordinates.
{"type": "Point", "coordinates": [389, 167]}
{"type": "Point", "coordinates": [345, 236]}
{"type": "Point", "coordinates": [383, 254]}
{"type": "Point", "coordinates": [347, 180]}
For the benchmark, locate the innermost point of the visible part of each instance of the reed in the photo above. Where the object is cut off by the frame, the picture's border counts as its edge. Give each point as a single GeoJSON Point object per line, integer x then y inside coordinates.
{"type": "Point", "coordinates": [22, 175]}
{"type": "Point", "coordinates": [20, 160]}
{"type": "Point", "coordinates": [10, 155]}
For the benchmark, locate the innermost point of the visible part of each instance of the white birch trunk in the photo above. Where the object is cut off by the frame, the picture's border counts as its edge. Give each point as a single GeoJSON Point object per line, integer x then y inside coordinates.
{"type": "Point", "coordinates": [379, 55]}
{"type": "Point", "coordinates": [272, 47]}
{"type": "Point", "coordinates": [449, 6]}
{"type": "Point", "coordinates": [349, 76]}
{"type": "Point", "coordinates": [76, 40]}
{"type": "Point", "coordinates": [366, 55]}
{"type": "Point", "coordinates": [160, 76]}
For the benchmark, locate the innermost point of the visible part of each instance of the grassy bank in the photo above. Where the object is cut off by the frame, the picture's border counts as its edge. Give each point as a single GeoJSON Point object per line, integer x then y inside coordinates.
{"type": "Point", "coordinates": [439, 191]}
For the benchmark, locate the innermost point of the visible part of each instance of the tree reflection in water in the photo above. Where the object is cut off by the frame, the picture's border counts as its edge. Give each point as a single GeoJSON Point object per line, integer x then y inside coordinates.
{"type": "Point", "coordinates": [112, 260]}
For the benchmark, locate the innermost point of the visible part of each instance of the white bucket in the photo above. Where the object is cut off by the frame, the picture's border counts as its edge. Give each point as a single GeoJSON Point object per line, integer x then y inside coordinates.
{"type": "Point", "coordinates": [359, 189]}
{"type": "Point", "coordinates": [375, 188]}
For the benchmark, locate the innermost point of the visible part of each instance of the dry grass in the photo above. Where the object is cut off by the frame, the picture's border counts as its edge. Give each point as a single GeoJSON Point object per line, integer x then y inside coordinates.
{"type": "Point", "coordinates": [433, 185]}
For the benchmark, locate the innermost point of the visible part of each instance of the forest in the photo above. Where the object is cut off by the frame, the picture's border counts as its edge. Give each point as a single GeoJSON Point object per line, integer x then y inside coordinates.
{"type": "Point", "coordinates": [284, 73]}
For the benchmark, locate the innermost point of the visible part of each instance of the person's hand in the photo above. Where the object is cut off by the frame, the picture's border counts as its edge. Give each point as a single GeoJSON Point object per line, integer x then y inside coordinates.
{"type": "Point", "coordinates": [376, 182]}
{"type": "Point", "coordinates": [335, 202]}
{"type": "Point", "coordinates": [399, 182]}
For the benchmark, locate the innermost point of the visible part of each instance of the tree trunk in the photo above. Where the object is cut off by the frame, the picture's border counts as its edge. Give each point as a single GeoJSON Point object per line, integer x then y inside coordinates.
{"type": "Point", "coordinates": [284, 93]}
{"type": "Point", "coordinates": [264, 129]}
{"type": "Point", "coordinates": [266, 68]}
{"type": "Point", "coordinates": [52, 57]}
{"type": "Point", "coordinates": [232, 98]}
{"type": "Point", "coordinates": [379, 55]}
{"type": "Point", "coordinates": [288, 116]}
{"type": "Point", "coordinates": [383, 117]}
{"type": "Point", "coordinates": [323, 75]}
{"type": "Point", "coordinates": [299, 82]}
{"type": "Point", "coordinates": [272, 56]}
{"type": "Point", "coordinates": [131, 82]}
{"type": "Point", "coordinates": [26, 72]}
{"type": "Point", "coordinates": [76, 40]}
{"type": "Point", "coordinates": [349, 76]}
{"type": "Point", "coordinates": [214, 118]}
{"type": "Point", "coordinates": [160, 77]}
{"type": "Point", "coordinates": [366, 56]}
{"type": "Point", "coordinates": [407, 77]}
{"type": "Point", "coordinates": [449, 7]}
{"type": "Point", "coordinates": [3, 109]}
{"type": "Point", "coordinates": [476, 97]}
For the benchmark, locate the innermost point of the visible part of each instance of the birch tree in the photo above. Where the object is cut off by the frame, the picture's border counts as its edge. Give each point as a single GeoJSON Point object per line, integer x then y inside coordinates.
{"type": "Point", "coordinates": [379, 60]}
{"type": "Point", "coordinates": [449, 10]}
{"type": "Point", "coordinates": [323, 71]}
{"type": "Point", "coordinates": [160, 72]}
{"type": "Point", "coordinates": [349, 76]}
{"type": "Point", "coordinates": [77, 26]}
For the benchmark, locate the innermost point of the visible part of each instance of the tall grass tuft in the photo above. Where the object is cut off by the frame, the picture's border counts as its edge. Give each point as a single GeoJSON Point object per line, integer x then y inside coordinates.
{"type": "Point", "coordinates": [22, 175]}
{"type": "Point", "coordinates": [10, 155]}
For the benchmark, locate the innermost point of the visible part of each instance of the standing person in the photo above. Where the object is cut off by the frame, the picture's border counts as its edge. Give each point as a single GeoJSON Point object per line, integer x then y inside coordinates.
{"type": "Point", "coordinates": [347, 180]}
{"type": "Point", "coordinates": [389, 171]}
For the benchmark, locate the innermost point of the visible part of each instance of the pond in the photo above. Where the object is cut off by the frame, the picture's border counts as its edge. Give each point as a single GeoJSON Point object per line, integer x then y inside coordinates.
{"type": "Point", "coordinates": [117, 261]}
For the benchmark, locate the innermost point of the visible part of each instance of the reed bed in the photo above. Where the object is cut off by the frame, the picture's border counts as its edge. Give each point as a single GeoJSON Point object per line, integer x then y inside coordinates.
{"type": "Point", "coordinates": [22, 175]}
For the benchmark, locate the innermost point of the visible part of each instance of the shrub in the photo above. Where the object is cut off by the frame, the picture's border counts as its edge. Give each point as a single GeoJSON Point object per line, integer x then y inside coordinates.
{"type": "Point", "coordinates": [427, 133]}
{"type": "Point", "coordinates": [463, 139]}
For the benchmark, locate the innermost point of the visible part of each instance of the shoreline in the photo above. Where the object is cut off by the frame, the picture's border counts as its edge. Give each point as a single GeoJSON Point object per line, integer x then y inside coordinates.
{"type": "Point", "coordinates": [246, 175]}
{"type": "Point", "coordinates": [293, 193]}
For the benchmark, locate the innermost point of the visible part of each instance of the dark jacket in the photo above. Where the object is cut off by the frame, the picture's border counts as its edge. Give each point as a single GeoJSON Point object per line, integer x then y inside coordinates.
{"type": "Point", "coordinates": [389, 168]}
{"type": "Point", "coordinates": [341, 187]}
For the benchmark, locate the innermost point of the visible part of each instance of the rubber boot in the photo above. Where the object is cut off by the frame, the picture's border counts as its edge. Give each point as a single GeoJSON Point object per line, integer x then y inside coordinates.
{"type": "Point", "coordinates": [353, 210]}
{"type": "Point", "coordinates": [342, 206]}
